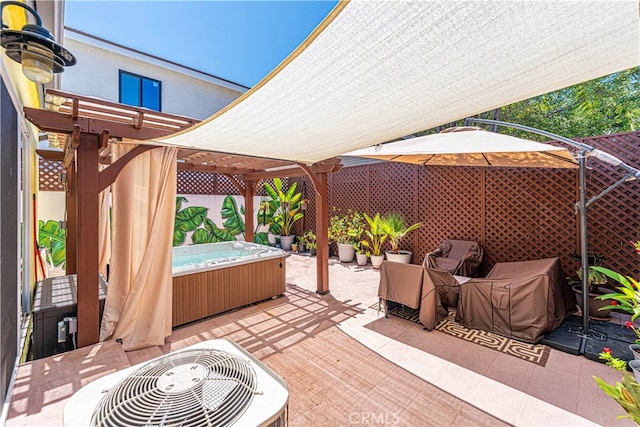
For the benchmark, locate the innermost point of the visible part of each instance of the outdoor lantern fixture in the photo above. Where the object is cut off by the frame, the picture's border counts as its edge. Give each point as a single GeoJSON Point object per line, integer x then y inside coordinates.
{"type": "Point", "coordinates": [34, 47]}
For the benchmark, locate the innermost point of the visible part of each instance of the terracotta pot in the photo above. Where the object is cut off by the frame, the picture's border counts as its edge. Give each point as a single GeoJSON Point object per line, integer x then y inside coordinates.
{"type": "Point", "coordinates": [594, 304]}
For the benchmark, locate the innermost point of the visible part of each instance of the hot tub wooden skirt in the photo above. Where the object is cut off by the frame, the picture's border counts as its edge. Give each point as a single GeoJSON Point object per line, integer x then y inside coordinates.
{"type": "Point", "coordinates": [203, 294]}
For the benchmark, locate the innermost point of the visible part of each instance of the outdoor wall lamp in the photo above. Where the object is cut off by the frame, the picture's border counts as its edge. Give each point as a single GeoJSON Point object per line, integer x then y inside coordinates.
{"type": "Point", "coordinates": [34, 47]}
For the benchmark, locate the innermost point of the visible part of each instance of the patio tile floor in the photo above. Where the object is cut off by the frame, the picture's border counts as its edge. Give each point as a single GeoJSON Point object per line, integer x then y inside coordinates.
{"type": "Point", "coordinates": [345, 364]}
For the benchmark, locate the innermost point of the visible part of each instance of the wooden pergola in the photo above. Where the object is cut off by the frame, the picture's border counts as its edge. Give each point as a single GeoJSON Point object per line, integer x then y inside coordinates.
{"type": "Point", "coordinates": [88, 126]}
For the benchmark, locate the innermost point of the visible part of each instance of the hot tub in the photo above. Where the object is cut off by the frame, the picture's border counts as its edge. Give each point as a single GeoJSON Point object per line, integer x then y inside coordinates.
{"type": "Point", "coordinates": [213, 278]}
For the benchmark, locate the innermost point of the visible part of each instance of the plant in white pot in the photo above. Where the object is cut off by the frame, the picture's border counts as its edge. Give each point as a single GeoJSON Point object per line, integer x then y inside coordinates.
{"type": "Point", "coordinates": [286, 208]}
{"type": "Point", "coordinates": [395, 226]}
{"type": "Point", "coordinates": [345, 230]}
{"type": "Point", "coordinates": [362, 255]}
{"type": "Point", "coordinates": [375, 238]}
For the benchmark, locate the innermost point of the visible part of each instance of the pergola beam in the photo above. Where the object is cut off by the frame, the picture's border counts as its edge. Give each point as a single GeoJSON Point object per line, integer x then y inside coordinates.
{"type": "Point", "coordinates": [87, 249]}
{"type": "Point", "coordinates": [91, 123]}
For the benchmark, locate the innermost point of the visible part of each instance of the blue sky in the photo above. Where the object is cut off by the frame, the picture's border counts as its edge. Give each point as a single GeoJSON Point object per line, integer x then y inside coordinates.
{"type": "Point", "coordinates": [241, 41]}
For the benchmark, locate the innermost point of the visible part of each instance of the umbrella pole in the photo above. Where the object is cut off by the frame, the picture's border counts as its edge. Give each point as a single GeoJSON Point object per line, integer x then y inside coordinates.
{"type": "Point", "coordinates": [582, 207]}
{"type": "Point", "coordinates": [584, 151]}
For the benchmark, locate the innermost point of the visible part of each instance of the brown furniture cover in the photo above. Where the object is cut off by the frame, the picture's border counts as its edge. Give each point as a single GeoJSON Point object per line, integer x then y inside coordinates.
{"type": "Point", "coordinates": [406, 284]}
{"type": "Point", "coordinates": [460, 257]}
{"type": "Point", "coordinates": [401, 283]}
{"type": "Point", "coordinates": [520, 300]}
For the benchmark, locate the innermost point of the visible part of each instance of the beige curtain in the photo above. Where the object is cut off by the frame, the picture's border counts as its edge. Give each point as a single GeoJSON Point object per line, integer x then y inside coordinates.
{"type": "Point", "coordinates": [104, 229]}
{"type": "Point", "coordinates": [138, 305]}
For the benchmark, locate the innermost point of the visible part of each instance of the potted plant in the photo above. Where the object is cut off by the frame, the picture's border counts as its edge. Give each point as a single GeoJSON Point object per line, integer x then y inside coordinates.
{"type": "Point", "coordinates": [345, 230]}
{"type": "Point", "coordinates": [375, 238]}
{"type": "Point", "coordinates": [302, 243]}
{"type": "Point", "coordinates": [311, 244]}
{"type": "Point", "coordinates": [362, 255]}
{"type": "Point", "coordinates": [394, 226]}
{"type": "Point", "coordinates": [625, 393]}
{"type": "Point", "coordinates": [286, 208]}
{"type": "Point", "coordinates": [596, 280]}
{"type": "Point", "coordinates": [626, 299]}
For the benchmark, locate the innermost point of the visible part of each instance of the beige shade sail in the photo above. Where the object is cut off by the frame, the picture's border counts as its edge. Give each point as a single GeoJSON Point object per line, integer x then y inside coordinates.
{"type": "Point", "coordinates": [471, 148]}
{"type": "Point", "coordinates": [374, 71]}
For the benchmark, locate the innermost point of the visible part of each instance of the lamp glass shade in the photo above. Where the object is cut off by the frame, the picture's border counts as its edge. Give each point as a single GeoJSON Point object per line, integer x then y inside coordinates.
{"type": "Point", "coordinates": [37, 67]}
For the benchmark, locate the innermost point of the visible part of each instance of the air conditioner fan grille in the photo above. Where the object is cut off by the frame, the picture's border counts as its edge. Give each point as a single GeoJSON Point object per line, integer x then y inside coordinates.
{"type": "Point", "coordinates": [198, 387]}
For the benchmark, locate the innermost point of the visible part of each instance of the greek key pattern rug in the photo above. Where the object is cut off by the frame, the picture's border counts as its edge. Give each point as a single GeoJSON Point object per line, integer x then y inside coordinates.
{"type": "Point", "coordinates": [534, 353]}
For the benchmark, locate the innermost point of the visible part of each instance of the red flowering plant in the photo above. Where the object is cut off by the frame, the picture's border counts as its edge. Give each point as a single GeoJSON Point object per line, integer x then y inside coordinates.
{"type": "Point", "coordinates": [627, 392]}
{"type": "Point", "coordinates": [627, 298]}
{"type": "Point", "coordinates": [636, 246]}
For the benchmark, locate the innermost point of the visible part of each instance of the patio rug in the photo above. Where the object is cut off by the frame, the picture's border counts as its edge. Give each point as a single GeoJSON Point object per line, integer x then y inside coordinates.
{"type": "Point", "coordinates": [534, 353]}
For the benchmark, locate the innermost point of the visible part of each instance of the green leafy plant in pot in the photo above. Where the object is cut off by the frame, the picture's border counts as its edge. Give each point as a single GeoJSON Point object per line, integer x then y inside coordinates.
{"type": "Point", "coordinates": [596, 280]}
{"type": "Point", "coordinates": [310, 239]}
{"type": "Point", "coordinates": [395, 226]}
{"type": "Point", "coordinates": [345, 229]}
{"type": "Point", "coordinates": [286, 207]}
{"type": "Point", "coordinates": [376, 237]}
{"type": "Point", "coordinates": [627, 299]}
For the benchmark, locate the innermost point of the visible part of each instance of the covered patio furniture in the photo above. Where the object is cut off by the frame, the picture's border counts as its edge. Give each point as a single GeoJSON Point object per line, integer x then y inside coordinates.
{"type": "Point", "coordinates": [406, 284]}
{"type": "Point", "coordinates": [401, 283]}
{"type": "Point", "coordinates": [521, 300]}
{"type": "Point", "coordinates": [460, 257]}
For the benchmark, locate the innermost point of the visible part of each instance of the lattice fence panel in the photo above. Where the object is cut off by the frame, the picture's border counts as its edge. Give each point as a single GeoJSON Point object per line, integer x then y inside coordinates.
{"type": "Point", "coordinates": [614, 220]}
{"type": "Point", "coordinates": [193, 182]}
{"type": "Point", "coordinates": [49, 173]}
{"type": "Point", "coordinates": [226, 186]}
{"type": "Point", "coordinates": [450, 207]}
{"type": "Point", "coordinates": [352, 184]}
{"type": "Point", "coordinates": [260, 188]}
{"type": "Point", "coordinates": [394, 188]}
{"type": "Point", "coordinates": [530, 215]}
{"type": "Point", "coordinates": [308, 221]}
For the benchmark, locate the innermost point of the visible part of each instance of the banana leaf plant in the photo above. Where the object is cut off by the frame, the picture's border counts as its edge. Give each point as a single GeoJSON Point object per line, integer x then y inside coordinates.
{"type": "Point", "coordinates": [186, 220]}
{"type": "Point", "coordinates": [265, 218]}
{"type": "Point", "coordinates": [194, 219]}
{"type": "Point", "coordinates": [53, 238]}
{"type": "Point", "coordinates": [375, 234]}
{"type": "Point", "coordinates": [286, 206]}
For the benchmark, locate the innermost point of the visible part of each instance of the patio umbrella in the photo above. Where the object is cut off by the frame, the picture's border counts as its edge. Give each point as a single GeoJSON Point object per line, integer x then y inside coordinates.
{"type": "Point", "coordinates": [471, 146]}
{"type": "Point", "coordinates": [468, 145]}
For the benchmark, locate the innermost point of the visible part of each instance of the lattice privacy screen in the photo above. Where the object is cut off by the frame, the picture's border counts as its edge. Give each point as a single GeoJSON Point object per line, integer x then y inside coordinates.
{"type": "Point", "coordinates": [515, 213]}
{"type": "Point", "coordinates": [49, 173]}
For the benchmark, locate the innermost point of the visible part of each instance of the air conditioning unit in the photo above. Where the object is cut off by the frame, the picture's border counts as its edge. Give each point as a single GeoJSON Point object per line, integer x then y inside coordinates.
{"type": "Point", "coordinates": [213, 383]}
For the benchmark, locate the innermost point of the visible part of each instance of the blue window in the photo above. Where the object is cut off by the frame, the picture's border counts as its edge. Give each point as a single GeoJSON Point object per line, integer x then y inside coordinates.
{"type": "Point", "coordinates": [140, 91]}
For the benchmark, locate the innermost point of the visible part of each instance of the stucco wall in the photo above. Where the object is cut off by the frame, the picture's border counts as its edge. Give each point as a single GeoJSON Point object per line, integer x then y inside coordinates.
{"type": "Point", "coordinates": [184, 91]}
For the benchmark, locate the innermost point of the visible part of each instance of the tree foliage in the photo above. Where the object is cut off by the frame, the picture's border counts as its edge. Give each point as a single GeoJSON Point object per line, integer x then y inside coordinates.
{"type": "Point", "coordinates": [610, 104]}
